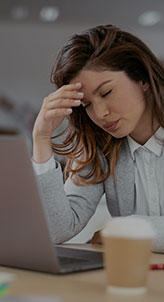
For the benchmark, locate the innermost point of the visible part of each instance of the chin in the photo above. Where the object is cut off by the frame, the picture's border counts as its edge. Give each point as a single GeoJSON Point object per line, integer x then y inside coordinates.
{"type": "Point", "coordinates": [119, 135]}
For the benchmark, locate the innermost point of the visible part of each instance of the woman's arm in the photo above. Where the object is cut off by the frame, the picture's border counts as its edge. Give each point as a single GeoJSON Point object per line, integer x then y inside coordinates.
{"type": "Point", "coordinates": [157, 223]}
{"type": "Point", "coordinates": [67, 210]}
{"type": "Point", "coordinates": [68, 207]}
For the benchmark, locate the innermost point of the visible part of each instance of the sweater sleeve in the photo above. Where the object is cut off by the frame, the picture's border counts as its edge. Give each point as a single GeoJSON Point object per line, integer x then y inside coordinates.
{"type": "Point", "coordinates": [68, 207]}
{"type": "Point", "coordinates": [43, 167]}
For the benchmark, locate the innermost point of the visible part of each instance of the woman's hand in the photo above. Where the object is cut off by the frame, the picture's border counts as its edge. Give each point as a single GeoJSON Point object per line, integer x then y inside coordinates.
{"type": "Point", "coordinates": [97, 239]}
{"type": "Point", "coordinates": [54, 109]}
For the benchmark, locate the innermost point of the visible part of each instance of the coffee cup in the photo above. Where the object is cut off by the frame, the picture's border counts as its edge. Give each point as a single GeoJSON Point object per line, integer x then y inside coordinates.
{"type": "Point", "coordinates": [127, 252]}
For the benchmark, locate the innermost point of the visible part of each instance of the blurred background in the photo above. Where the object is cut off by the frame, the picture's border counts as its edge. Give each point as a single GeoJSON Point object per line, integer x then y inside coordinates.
{"type": "Point", "coordinates": [31, 34]}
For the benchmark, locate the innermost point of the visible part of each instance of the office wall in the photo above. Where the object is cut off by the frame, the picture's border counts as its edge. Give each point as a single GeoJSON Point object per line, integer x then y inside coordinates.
{"type": "Point", "coordinates": [27, 53]}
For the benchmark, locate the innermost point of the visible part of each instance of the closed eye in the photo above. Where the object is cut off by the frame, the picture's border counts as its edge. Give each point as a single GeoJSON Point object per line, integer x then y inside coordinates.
{"type": "Point", "coordinates": [106, 93]}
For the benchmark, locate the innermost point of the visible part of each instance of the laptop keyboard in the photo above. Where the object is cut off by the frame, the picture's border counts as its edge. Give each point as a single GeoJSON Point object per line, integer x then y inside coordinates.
{"type": "Point", "coordinates": [72, 260]}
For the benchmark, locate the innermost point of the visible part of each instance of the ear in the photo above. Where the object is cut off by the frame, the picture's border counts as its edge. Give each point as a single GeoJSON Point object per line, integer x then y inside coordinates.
{"type": "Point", "coordinates": [144, 85]}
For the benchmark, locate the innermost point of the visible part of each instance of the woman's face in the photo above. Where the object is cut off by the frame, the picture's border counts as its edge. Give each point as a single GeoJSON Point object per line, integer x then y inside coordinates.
{"type": "Point", "coordinates": [114, 102]}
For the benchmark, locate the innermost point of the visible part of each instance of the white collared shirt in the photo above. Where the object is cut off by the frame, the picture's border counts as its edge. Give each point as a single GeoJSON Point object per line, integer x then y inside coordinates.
{"type": "Point", "coordinates": [149, 175]}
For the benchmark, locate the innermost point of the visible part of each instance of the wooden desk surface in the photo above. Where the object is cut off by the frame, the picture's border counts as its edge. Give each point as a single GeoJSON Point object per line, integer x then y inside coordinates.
{"type": "Point", "coordinates": [85, 286]}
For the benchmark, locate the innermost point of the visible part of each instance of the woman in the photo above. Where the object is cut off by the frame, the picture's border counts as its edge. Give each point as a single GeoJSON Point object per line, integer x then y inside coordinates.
{"type": "Point", "coordinates": [111, 88]}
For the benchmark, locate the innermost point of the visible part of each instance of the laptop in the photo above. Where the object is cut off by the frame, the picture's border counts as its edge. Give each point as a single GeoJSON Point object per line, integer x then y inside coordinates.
{"type": "Point", "coordinates": [24, 237]}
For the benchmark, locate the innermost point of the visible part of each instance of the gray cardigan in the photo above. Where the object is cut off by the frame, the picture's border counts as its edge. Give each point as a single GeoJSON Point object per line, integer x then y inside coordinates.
{"type": "Point", "coordinates": [69, 207]}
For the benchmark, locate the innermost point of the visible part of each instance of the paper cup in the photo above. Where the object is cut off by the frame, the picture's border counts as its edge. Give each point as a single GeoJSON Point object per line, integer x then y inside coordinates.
{"type": "Point", "coordinates": [127, 252]}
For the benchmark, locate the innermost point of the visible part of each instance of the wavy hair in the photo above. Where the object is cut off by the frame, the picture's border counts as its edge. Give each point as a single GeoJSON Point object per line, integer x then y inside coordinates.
{"type": "Point", "coordinates": [104, 47]}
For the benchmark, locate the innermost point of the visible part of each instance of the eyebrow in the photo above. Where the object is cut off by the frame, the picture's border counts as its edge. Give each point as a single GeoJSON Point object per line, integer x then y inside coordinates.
{"type": "Point", "coordinates": [97, 88]}
{"type": "Point", "coordinates": [85, 101]}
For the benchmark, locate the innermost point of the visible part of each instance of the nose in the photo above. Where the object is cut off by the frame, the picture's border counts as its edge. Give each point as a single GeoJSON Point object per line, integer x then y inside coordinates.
{"type": "Point", "coordinates": [101, 110]}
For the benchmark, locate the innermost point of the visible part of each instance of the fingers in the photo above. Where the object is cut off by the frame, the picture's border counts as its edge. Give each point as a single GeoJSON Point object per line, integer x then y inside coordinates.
{"type": "Point", "coordinates": [70, 87]}
{"type": "Point", "coordinates": [63, 103]}
{"type": "Point", "coordinates": [65, 94]}
{"type": "Point", "coordinates": [56, 106]}
{"type": "Point", "coordinates": [66, 97]}
{"type": "Point", "coordinates": [67, 90]}
{"type": "Point", "coordinates": [58, 112]}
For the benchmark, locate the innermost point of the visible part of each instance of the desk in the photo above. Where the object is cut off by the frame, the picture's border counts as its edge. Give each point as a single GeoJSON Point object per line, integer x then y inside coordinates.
{"type": "Point", "coordinates": [83, 287]}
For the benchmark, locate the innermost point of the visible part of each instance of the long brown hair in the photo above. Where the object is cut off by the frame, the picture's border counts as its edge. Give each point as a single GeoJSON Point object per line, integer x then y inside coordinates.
{"type": "Point", "coordinates": [102, 48]}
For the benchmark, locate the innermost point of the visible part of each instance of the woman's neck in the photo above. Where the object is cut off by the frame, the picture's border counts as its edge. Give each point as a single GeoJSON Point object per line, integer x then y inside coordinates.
{"type": "Point", "coordinates": [143, 136]}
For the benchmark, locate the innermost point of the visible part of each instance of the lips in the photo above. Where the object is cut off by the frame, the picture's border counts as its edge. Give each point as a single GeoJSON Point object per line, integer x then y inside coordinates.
{"type": "Point", "coordinates": [111, 126]}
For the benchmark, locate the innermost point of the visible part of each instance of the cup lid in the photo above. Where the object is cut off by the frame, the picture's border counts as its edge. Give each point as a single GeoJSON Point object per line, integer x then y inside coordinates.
{"type": "Point", "coordinates": [128, 227]}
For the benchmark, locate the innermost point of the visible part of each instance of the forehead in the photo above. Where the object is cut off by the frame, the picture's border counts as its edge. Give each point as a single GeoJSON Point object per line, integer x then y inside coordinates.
{"type": "Point", "coordinates": [90, 79]}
